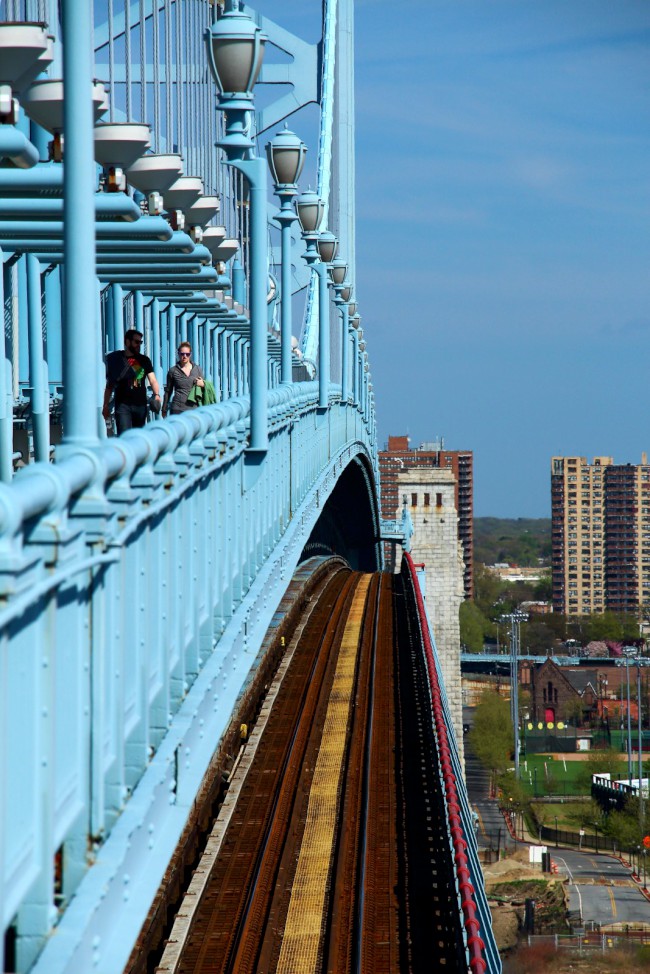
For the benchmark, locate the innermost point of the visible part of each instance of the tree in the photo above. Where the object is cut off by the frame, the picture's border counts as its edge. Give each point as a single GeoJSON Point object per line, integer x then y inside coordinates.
{"type": "Point", "coordinates": [487, 589]}
{"type": "Point", "coordinates": [491, 737]}
{"type": "Point", "coordinates": [536, 636]}
{"type": "Point", "coordinates": [473, 627]}
{"type": "Point", "coordinates": [624, 827]}
{"type": "Point", "coordinates": [603, 761]}
{"type": "Point", "coordinates": [543, 590]}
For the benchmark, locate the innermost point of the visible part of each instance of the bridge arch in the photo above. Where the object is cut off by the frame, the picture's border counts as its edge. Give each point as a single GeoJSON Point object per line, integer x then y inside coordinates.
{"type": "Point", "coordinates": [349, 523]}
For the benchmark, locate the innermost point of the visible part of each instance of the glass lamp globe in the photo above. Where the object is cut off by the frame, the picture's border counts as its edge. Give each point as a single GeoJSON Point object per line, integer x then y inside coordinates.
{"type": "Point", "coordinates": [286, 157]}
{"type": "Point", "coordinates": [310, 209]}
{"type": "Point", "coordinates": [338, 270]}
{"type": "Point", "coordinates": [235, 46]}
{"type": "Point", "coordinates": [327, 245]}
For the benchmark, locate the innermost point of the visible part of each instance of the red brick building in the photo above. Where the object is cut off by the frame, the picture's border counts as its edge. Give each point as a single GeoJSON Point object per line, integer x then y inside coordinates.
{"type": "Point", "coordinates": [399, 456]}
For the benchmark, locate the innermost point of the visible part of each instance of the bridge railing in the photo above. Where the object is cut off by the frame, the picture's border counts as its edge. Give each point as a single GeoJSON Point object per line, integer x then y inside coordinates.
{"type": "Point", "coordinates": [481, 947]}
{"type": "Point", "coordinates": [120, 570]}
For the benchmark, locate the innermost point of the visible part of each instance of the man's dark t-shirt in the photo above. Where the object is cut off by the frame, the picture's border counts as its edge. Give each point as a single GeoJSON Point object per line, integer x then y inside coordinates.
{"type": "Point", "coordinates": [127, 373]}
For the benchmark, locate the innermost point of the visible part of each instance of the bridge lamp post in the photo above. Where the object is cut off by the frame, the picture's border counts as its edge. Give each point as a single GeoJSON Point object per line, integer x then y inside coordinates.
{"type": "Point", "coordinates": [321, 250]}
{"type": "Point", "coordinates": [338, 272]}
{"type": "Point", "coordinates": [286, 157]}
{"type": "Point", "coordinates": [327, 246]}
{"type": "Point", "coordinates": [355, 321]}
{"type": "Point", "coordinates": [235, 49]}
{"type": "Point", "coordinates": [310, 209]}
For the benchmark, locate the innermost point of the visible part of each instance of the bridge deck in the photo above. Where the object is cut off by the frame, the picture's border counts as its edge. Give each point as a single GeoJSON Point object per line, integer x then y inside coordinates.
{"type": "Point", "coordinates": [331, 850]}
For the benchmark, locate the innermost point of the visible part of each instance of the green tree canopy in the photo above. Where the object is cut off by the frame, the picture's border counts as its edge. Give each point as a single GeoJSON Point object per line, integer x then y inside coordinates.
{"type": "Point", "coordinates": [602, 761]}
{"type": "Point", "coordinates": [491, 737]}
{"type": "Point", "coordinates": [473, 627]}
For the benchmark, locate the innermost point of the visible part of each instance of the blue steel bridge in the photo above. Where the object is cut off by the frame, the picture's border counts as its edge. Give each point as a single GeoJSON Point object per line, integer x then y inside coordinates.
{"type": "Point", "coordinates": [139, 574]}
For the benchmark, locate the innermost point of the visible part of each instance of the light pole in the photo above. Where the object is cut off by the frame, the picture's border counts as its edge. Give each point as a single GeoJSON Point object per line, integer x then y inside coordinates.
{"type": "Point", "coordinates": [515, 619]}
{"type": "Point", "coordinates": [640, 739]}
{"type": "Point", "coordinates": [629, 724]}
{"type": "Point", "coordinates": [310, 209]}
{"type": "Point", "coordinates": [327, 245]}
{"type": "Point", "coordinates": [286, 158]}
{"type": "Point", "coordinates": [235, 46]}
{"type": "Point", "coordinates": [338, 271]}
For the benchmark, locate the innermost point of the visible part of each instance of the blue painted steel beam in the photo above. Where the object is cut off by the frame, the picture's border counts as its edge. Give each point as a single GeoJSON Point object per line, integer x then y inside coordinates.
{"type": "Point", "coordinates": [107, 206]}
{"type": "Point", "coordinates": [150, 228]}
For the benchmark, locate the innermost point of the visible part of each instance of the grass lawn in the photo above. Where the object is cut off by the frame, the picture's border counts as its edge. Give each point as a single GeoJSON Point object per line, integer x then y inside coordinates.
{"type": "Point", "coordinates": [542, 775]}
{"type": "Point", "coordinates": [569, 815]}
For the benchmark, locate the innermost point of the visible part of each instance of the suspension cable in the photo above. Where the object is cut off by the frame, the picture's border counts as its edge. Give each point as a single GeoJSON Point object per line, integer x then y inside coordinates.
{"type": "Point", "coordinates": [127, 57]}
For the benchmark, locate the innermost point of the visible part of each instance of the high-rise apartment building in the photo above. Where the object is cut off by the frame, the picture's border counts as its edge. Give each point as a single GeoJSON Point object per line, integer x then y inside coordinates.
{"type": "Point", "coordinates": [399, 456]}
{"type": "Point", "coordinates": [600, 535]}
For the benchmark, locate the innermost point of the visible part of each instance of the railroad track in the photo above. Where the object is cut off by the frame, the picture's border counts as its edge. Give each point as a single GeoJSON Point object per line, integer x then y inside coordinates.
{"type": "Point", "coordinates": [331, 853]}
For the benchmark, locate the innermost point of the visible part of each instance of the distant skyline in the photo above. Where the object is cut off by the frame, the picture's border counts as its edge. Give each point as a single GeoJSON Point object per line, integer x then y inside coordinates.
{"type": "Point", "coordinates": [503, 229]}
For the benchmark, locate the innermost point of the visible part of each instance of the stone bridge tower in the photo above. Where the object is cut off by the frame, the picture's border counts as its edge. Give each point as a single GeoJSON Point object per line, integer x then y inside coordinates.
{"type": "Point", "coordinates": [430, 498]}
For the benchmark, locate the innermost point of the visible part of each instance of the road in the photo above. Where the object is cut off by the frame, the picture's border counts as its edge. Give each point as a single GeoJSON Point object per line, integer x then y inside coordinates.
{"type": "Point", "coordinates": [601, 889]}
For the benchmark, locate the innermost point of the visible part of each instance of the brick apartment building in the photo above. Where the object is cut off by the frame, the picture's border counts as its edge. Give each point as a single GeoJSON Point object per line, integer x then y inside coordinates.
{"type": "Point", "coordinates": [600, 535]}
{"type": "Point", "coordinates": [399, 456]}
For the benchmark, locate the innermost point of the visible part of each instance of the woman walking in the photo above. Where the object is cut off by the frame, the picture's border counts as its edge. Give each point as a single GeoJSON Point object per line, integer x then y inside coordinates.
{"type": "Point", "coordinates": [180, 380]}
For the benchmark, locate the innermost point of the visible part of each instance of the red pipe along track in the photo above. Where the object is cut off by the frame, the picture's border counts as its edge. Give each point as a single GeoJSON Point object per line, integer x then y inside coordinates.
{"type": "Point", "coordinates": [472, 924]}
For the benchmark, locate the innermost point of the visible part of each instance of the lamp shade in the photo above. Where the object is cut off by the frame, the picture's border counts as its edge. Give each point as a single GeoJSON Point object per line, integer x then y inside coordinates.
{"type": "Point", "coordinates": [120, 143]}
{"type": "Point", "coordinates": [235, 47]}
{"type": "Point", "coordinates": [338, 270]}
{"type": "Point", "coordinates": [43, 103]}
{"type": "Point", "coordinates": [155, 172]}
{"type": "Point", "coordinates": [310, 209]}
{"type": "Point", "coordinates": [327, 245]}
{"type": "Point", "coordinates": [286, 157]}
{"type": "Point", "coordinates": [346, 293]}
{"type": "Point", "coordinates": [355, 320]}
{"type": "Point", "coordinates": [24, 48]}
{"type": "Point", "coordinates": [352, 308]}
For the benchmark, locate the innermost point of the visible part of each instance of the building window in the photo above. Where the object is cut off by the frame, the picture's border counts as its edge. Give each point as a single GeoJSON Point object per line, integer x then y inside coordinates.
{"type": "Point", "coordinates": [414, 500]}
{"type": "Point", "coordinates": [438, 500]}
{"type": "Point", "coordinates": [427, 500]}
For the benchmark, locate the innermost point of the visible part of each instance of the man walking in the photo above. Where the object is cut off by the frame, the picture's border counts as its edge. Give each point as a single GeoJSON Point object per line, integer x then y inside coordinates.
{"type": "Point", "coordinates": [126, 371]}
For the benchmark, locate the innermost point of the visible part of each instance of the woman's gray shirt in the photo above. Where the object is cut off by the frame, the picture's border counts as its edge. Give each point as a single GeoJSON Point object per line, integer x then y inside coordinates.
{"type": "Point", "coordinates": [180, 385]}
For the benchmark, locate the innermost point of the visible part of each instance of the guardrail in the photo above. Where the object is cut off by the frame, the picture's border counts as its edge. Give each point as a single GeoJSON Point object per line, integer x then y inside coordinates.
{"type": "Point", "coordinates": [120, 570]}
{"type": "Point", "coordinates": [480, 944]}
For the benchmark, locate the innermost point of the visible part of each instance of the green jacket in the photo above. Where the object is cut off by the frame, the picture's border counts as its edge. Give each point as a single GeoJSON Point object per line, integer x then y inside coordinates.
{"type": "Point", "coordinates": [202, 395]}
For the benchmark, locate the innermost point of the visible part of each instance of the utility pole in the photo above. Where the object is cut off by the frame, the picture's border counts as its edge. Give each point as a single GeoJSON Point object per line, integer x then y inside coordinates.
{"type": "Point", "coordinates": [638, 698]}
{"type": "Point", "coordinates": [515, 619]}
{"type": "Point", "coordinates": [629, 724]}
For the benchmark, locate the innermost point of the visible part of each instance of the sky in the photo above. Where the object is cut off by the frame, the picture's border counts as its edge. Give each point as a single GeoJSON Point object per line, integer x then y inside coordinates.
{"type": "Point", "coordinates": [503, 229]}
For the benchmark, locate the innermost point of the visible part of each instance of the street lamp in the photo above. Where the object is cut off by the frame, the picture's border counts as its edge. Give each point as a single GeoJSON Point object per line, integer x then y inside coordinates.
{"type": "Point", "coordinates": [640, 727]}
{"type": "Point", "coordinates": [319, 252]}
{"type": "Point", "coordinates": [327, 246]}
{"type": "Point", "coordinates": [355, 321]}
{"type": "Point", "coordinates": [338, 273]}
{"type": "Point", "coordinates": [235, 47]}
{"type": "Point", "coordinates": [286, 158]}
{"type": "Point", "coordinates": [515, 619]}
